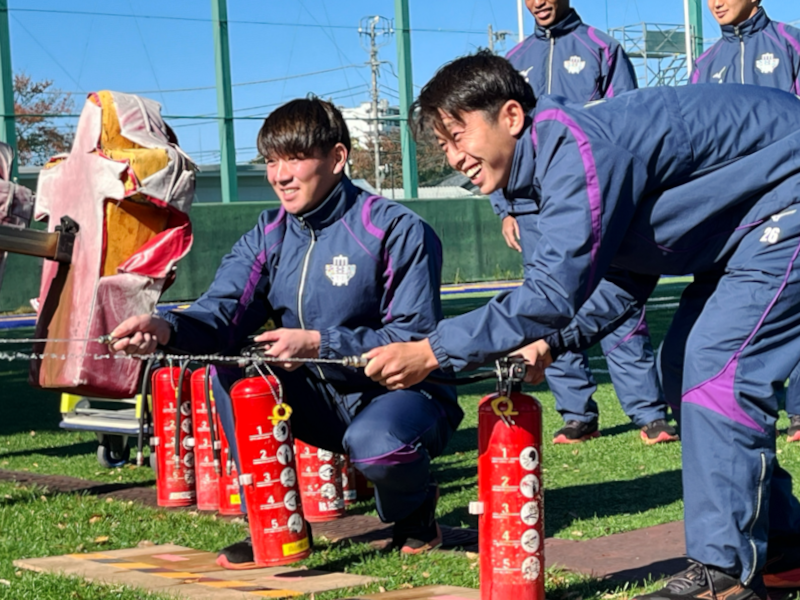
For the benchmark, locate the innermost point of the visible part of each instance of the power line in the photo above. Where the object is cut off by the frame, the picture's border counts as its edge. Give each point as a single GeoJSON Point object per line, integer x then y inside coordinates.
{"type": "Point", "coordinates": [230, 21]}
{"type": "Point", "coordinates": [243, 83]}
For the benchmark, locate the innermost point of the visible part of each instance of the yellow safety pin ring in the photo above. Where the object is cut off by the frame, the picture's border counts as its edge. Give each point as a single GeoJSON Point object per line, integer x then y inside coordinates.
{"type": "Point", "coordinates": [280, 412]}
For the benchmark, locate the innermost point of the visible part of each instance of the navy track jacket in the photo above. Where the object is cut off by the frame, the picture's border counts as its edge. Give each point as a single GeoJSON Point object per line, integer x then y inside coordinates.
{"type": "Point", "coordinates": [759, 51]}
{"type": "Point", "coordinates": [362, 270]}
{"type": "Point", "coordinates": [628, 189]}
{"type": "Point", "coordinates": [573, 60]}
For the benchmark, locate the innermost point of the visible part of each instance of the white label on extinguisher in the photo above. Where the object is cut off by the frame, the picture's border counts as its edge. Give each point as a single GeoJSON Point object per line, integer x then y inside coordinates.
{"type": "Point", "coordinates": [324, 455]}
{"type": "Point", "coordinates": [186, 408]}
{"type": "Point", "coordinates": [181, 495]}
{"type": "Point", "coordinates": [259, 435]}
{"type": "Point", "coordinates": [326, 472]}
{"type": "Point", "coordinates": [530, 513]}
{"type": "Point", "coordinates": [295, 523]}
{"type": "Point", "coordinates": [531, 568]}
{"type": "Point", "coordinates": [328, 491]}
{"type": "Point", "coordinates": [529, 486]}
{"type": "Point", "coordinates": [288, 477]}
{"type": "Point", "coordinates": [529, 458]}
{"type": "Point", "coordinates": [284, 454]}
{"type": "Point", "coordinates": [332, 505]}
{"type": "Point", "coordinates": [290, 500]}
{"type": "Point", "coordinates": [281, 431]}
{"type": "Point", "coordinates": [530, 541]}
{"type": "Point", "coordinates": [186, 426]}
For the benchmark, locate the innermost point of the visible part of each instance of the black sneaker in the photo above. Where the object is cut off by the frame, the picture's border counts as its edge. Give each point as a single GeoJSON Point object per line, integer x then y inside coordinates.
{"type": "Point", "coordinates": [793, 433]}
{"type": "Point", "coordinates": [782, 569]}
{"type": "Point", "coordinates": [238, 556]}
{"type": "Point", "coordinates": [658, 432]}
{"type": "Point", "coordinates": [701, 582]}
{"type": "Point", "coordinates": [419, 532]}
{"type": "Point", "coordinates": [575, 432]}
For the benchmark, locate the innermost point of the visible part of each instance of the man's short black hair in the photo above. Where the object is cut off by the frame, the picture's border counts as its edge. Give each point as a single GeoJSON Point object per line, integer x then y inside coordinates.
{"type": "Point", "coordinates": [482, 81]}
{"type": "Point", "coordinates": [302, 128]}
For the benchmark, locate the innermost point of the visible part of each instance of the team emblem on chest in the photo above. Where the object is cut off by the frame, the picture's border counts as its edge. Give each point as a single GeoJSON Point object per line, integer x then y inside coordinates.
{"type": "Point", "coordinates": [525, 74]}
{"type": "Point", "coordinates": [574, 65]}
{"type": "Point", "coordinates": [341, 271]}
{"type": "Point", "coordinates": [767, 63]}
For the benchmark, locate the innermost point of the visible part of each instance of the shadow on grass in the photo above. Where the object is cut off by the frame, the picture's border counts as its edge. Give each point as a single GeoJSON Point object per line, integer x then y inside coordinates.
{"type": "Point", "coordinates": [565, 505]}
{"type": "Point", "coordinates": [78, 449]}
{"type": "Point", "coordinates": [463, 440]}
{"type": "Point", "coordinates": [618, 429]}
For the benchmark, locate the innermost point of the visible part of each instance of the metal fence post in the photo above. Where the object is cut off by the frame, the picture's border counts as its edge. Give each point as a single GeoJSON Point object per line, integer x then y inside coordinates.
{"type": "Point", "coordinates": [227, 146]}
{"type": "Point", "coordinates": [406, 89]}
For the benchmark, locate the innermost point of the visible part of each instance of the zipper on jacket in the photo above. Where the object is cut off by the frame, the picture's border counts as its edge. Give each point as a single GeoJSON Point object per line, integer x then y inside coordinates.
{"type": "Point", "coordinates": [756, 515]}
{"type": "Point", "coordinates": [741, 51]}
{"type": "Point", "coordinates": [303, 275]}
{"type": "Point", "coordinates": [550, 66]}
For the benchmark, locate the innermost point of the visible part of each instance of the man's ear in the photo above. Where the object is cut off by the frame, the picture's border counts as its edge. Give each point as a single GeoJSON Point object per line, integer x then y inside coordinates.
{"type": "Point", "coordinates": [340, 154]}
{"type": "Point", "coordinates": [512, 117]}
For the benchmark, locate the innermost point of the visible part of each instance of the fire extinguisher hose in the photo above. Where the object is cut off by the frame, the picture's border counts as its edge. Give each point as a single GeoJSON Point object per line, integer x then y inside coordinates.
{"type": "Point", "coordinates": [178, 399]}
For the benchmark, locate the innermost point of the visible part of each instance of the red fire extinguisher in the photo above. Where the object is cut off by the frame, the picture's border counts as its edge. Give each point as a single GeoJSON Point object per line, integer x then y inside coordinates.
{"type": "Point", "coordinates": [320, 474]}
{"type": "Point", "coordinates": [206, 446]}
{"type": "Point", "coordinates": [172, 442]}
{"type": "Point", "coordinates": [510, 495]}
{"type": "Point", "coordinates": [269, 478]}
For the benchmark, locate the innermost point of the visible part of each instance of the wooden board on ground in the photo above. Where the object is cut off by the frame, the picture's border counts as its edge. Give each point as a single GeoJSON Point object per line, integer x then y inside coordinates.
{"type": "Point", "coordinates": [429, 592]}
{"type": "Point", "coordinates": [188, 573]}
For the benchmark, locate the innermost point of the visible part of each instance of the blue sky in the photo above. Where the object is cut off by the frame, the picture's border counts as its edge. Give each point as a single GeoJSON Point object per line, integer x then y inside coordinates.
{"type": "Point", "coordinates": [280, 49]}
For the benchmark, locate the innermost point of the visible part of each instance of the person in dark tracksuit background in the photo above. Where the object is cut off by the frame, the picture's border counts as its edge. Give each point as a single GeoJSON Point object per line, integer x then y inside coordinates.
{"type": "Point", "coordinates": [340, 271]}
{"type": "Point", "coordinates": [565, 57]}
{"type": "Point", "coordinates": [631, 188]}
{"type": "Point", "coordinates": [754, 50]}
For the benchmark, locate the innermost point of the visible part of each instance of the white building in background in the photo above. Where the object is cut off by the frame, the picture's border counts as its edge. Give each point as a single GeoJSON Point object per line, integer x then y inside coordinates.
{"type": "Point", "coordinates": [359, 120]}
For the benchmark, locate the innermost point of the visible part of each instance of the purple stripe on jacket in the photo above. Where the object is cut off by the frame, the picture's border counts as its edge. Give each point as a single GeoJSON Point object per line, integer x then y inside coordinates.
{"type": "Point", "coordinates": [796, 45]}
{"type": "Point", "coordinates": [592, 183]}
{"type": "Point", "coordinates": [405, 454]}
{"type": "Point", "coordinates": [710, 53]}
{"type": "Point", "coordinates": [609, 59]}
{"type": "Point", "coordinates": [255, 270]}
{"type": "Point", "coordinates": [366, 218]}
{"type": "Point", "coordinates": [717, 393]}
{"type": "Point", "coordinates": [640, 329]}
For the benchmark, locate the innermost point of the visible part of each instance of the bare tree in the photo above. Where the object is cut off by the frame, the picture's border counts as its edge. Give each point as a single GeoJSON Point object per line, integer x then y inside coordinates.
{"type": "Point", "coordinates": [432, 166]}
{"type": "Point", "coordinates": [39, 137]}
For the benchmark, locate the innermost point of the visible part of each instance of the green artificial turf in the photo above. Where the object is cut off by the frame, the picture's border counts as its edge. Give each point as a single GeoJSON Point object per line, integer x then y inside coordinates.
{"type": "Point", "coordinates": [611, 484]}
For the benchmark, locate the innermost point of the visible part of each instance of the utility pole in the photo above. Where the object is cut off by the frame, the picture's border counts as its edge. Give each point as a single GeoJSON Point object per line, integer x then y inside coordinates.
{"type": "Point", "coordinates": [497, 36]}
{"type": "Point", "coordinates": [8, 132]}
{"type": "Point", "coordinates": [520, 21]}
{"type": "Point", "coordinates": [406, 91]}
{"type": "Point", "coordinates": [222, 60]}
{"type": "Point", "coordinates": [373, 28]}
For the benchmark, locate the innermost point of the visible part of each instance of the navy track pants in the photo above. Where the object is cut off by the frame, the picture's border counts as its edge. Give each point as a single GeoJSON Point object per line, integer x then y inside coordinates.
{"type": "Point", "coordinates": [734, 340]}
{"type": "Point", "coordinates": [390, 436]}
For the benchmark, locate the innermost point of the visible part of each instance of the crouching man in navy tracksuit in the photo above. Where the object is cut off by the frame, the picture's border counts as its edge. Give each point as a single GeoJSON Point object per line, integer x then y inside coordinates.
{"type": "Point", "coordinates": [565, 57]}
{"type": "Point", "coordinates": [756, 50]}
{"type": "Point", "coordinates": [342, 272]}
{"type": "Point", "coordinates": [699, 179]}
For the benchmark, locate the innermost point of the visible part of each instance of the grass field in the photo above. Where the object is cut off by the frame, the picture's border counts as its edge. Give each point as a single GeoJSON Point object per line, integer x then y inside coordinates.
{"type": "Point", "coordinates": [605, 486]}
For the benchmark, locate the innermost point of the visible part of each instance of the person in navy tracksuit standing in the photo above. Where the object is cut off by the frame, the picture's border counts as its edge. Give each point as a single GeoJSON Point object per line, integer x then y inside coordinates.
{"type": "Point", "coordinates": [754, 50]}
{"type": "Point", "coordinates": [696, 179]}
{"type": "Point", "coordinates": [565, 57]}
{"type": "Point", "coordinates": [341, 271]}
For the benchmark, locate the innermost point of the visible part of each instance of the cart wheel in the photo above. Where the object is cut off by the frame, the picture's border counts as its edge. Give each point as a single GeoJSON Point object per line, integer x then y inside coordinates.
{"type": "Point", "coordinates": [112, 453]}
